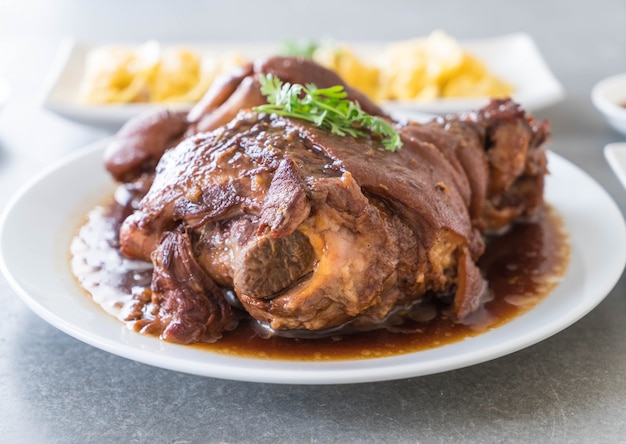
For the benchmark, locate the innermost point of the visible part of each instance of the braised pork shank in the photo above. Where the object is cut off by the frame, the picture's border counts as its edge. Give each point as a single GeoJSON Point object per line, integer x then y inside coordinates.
{"type": "Point", "coordinates": [305, 230]}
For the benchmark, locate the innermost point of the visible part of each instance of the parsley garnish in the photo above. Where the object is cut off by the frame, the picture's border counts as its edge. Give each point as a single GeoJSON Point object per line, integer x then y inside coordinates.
{"type": "Point", "coordinates": [326, 108]}
{"type": "Point", "coordinates": [294, 48]}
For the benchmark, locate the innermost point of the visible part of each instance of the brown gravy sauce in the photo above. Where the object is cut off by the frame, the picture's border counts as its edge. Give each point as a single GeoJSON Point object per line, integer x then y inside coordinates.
{"type": "Point", "coordinates": [521, 266]}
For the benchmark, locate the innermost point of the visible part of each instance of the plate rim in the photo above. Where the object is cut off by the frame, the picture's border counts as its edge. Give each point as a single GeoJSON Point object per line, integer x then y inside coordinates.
{"type": "Point", "coordinates": [152, 351]}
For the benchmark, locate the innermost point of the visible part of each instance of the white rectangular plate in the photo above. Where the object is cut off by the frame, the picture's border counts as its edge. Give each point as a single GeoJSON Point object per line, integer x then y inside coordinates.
{"type": "Point", "coordinates": [615, 154]}
{"type": "Point", "coordinates": [515, 58]}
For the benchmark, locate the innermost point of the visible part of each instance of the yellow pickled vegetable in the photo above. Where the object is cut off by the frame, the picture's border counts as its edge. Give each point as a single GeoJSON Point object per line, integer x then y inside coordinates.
{"type": "Point", "coordinates": [148, 73]}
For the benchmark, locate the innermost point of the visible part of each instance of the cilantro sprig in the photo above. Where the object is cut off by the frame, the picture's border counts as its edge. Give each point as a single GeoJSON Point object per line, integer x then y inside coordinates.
{"type": "Point", "coordinates": [301, 48]}
{"type": "Point", "coordinates": [325, 107]}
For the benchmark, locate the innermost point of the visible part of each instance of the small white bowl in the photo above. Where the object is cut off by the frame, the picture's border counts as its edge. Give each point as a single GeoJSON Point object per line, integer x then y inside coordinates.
{"type": "Point", "coordinates": [5, 92]}
{"type": "Point", "coordinates": [609, 97]}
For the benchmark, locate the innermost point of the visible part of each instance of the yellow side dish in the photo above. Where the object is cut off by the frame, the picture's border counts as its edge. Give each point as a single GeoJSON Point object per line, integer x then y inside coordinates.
{"type": "Point", "coordinates": [149, 73]}
{"type": "Point", "coordinates": [354, 71]}
{"type": "Point", "coordinates": [418, 69]}
{"type": "Point", "coordinates": [426, 68]}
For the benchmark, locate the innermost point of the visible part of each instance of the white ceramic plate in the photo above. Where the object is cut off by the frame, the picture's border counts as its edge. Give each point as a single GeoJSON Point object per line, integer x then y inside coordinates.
{"type": "Point", "coordinates": [37, 226]}
{"type": "Point", "coordinates": [615, 154]}
{"type": "Point", "coordinates": [513, 57]}
{"type": "Point", "coordinates": [5, 92]}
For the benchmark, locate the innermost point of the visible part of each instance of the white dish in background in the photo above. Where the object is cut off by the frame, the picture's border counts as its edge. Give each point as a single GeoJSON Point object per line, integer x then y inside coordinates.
{"type": "Point", "coordinates": [615, 154]}
{"type": "Point", "coordinates": [609, 97]}
{"type": "Point", "coordinates": [34, 259]}
{"type": "Point", "coordinates": [5, 92]}
{"type": "Point", "coordinates": [61, 92]}
{"type": "Point", "coordinates": [515, 58]}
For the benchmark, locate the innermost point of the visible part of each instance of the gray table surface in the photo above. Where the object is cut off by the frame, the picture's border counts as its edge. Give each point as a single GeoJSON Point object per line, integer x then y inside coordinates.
{"type": "Point", "coordinates": [53, 388]}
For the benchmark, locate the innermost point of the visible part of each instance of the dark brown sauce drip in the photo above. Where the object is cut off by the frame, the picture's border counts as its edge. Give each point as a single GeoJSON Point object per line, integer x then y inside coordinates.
{"type": "Point", "coordinates": [521, 266]}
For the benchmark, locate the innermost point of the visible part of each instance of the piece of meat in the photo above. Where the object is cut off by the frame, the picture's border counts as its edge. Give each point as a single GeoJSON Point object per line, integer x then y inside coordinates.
{"type": "Point", "coordinates": [305, 71]}
{"type": "Point", "coordinates": [371, 230]}
{"type": "Point", "coordinates": [191, 307]}
{"type": "Point", "coordinates": [502, 150]}
{"type": "Point", "coordinates": [313, 231]}
{"type": "Point", "coordinates": [241, 90]}
{"type": "Point", "coordinates": [516, 160]}
{"type": "Point", "coordinates": [221, 89]}
{"type": "Point", "coordinates": [140, 143]}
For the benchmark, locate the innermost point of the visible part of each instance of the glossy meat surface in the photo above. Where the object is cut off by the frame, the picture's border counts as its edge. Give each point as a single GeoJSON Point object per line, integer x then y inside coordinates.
{"type": "Point", "coordinates": [313, 231]}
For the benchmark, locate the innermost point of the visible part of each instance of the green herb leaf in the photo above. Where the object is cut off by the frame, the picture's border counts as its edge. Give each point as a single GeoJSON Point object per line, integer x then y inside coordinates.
{"type": "Point", "coordinates": [325, 107]}
{"type": "Point", "coordinates": [293, 48]}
